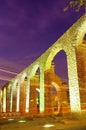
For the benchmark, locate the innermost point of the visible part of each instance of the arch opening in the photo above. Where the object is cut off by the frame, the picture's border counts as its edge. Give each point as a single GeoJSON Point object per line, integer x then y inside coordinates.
{"type": "Point", "coordinates": [61, 79]}
{"type": "Point", "coordinates": [84, 39]}
{"type": "Point", "coordinates": [60, 61]}
{"type": "Point", "coordinates": [56, 85]}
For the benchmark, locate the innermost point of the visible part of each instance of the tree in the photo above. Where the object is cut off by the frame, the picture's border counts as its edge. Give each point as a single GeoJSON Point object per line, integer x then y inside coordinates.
{"type": "Point", "coordinates": [77, 3]}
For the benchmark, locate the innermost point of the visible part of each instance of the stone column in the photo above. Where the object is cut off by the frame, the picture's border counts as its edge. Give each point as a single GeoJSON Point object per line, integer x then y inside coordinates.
{"type": "Point", "coordinates": [1, 100]}
{"type": "Point", "coordinates": [4, 100]}
{"type": "Point", "coordinates": [18, 97]}
{"type": "Point", "coordinates": [73, 81]}
{"type": "Point", "coordinates": [23, 95]}
{"type": "Point", "coordinates": [14, 97]}
{"type": "Point", "coordinates": [48, 99]}
{"type": "Point", "coordinates": [19, 94]}
{"type": "Point", "coordinates": [8, 92]}
{"type": "Point", "coordinates": [33, 104]}
{"type": "Point", "coordinates": [11, 97]}
{"type": "Point", "coordinates": [42, 106]}
{"type": "Point", "coordinates": [28, 96]}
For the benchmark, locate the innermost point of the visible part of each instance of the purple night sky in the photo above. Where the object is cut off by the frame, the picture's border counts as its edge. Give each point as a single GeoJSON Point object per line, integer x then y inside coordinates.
{"type": "Point", "coordinates": [27, 29]}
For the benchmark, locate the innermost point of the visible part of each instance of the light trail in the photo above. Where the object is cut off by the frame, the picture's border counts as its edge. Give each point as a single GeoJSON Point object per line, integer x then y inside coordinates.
{"type": "Point", "coordinates": [10, 72]}
{"type": "Point", "coordinates": [5, 78]}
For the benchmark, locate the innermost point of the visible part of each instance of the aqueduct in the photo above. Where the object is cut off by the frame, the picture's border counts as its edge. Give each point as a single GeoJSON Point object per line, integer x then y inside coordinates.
{"type": "Point", "coordinates": [68, 42]}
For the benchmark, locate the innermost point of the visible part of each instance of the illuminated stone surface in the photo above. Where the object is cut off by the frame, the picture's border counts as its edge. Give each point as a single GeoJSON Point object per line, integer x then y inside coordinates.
{"type": "Point", "coordinates": [8, 93]}
{"type": "Point", "coordinates": [24, 99]}
{"type": "Point", "coordinates": [81, 65]}
{"type": "Point", "coordinates": [0, 100]}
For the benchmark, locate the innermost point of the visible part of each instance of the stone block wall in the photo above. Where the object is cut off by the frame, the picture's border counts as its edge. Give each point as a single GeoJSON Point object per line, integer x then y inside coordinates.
{"type": "Point", "coordinates": [81, 67]}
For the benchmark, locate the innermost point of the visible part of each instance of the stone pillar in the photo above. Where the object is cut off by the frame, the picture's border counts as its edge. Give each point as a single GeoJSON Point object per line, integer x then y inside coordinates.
{"type": "Point", "coordinates": [28, 96]}
{"type": "Point", "coordinates": [33, 105]}
{"type": "Point", "coordinates": [81, 63]}
{"type": "Point", "coordinates": [8, 92]}
{"type": "Point", "coordinates": [0, 100]}
{"type": "Point", "coordinates": [4, 99]}
{"type": "Point", "coordinates": [23, 97]}
{"type": "Point", "coordinates": [48, 99]}
{"type": "Point", "coordinates": [73, 81]}
{"type": "Point", "coordinates": [42, 106]}
{"type": "Point", "coordinates": [14, 97]}
{"type": "Point", "coordinates": [11, 97]}
{"type": "Point", "coordinates": [18, 97]}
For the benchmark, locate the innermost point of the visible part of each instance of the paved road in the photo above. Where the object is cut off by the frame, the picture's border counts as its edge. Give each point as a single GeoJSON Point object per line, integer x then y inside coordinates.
{"type": "Point", "coordinates": [42, 123]}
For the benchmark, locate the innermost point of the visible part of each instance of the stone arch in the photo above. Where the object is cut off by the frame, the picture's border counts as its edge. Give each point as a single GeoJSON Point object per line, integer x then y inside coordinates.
{"type": "Point", "coordinates": [51, 55]}
{"type": "Point", "coordinates": [81, 32]}
{"type": "Point", "coordinates": [22, 77]}
{"type": "Point", "coordinates": [73, 77]}
{"type": "Point", "coordinates": [49, 61]}
{"type": "Point", "coordinates": [34, 69]}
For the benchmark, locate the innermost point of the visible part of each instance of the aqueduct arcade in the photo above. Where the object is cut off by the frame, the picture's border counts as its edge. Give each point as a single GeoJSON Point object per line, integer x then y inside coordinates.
{"type": "Point", "coordinates": [18, 95]}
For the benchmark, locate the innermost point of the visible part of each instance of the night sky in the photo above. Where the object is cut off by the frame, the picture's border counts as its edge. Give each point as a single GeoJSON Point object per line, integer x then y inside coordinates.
{"type": "Point", "coordinates": [27, 29]}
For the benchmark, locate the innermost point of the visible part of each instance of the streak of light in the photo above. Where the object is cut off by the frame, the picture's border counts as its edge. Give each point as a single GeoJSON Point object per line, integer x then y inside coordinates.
{"type": "Point", "coordinates": [38, 90]}
{"type": "Point", "coordinates": [48, 125]}
{"type": "Point", "coordinates": [6, 71]}
{"type": "Point", "coordinates": [22, 121]}
{"type": "Point", "coordinates": [3, 117]}
{"type": "Point", "coordinates": [5, 78]}
{"type": "Point", "coordinates": [10, 119]}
